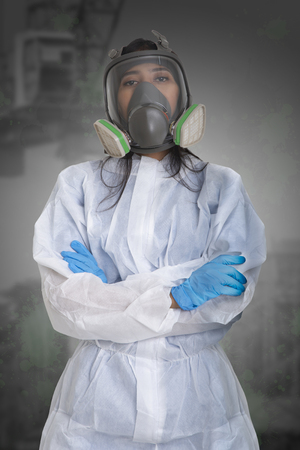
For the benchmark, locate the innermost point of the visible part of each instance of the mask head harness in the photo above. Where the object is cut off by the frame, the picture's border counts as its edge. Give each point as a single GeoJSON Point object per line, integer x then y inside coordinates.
{"type": "Point", "coordinates": [148, 103]}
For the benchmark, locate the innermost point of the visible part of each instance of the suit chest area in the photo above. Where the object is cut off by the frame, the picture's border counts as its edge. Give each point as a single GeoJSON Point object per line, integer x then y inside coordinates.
{"type": "Point", "coordinates": [156, 222]}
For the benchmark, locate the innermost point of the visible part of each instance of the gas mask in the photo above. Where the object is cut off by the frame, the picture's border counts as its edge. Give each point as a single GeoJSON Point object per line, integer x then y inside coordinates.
{"type": "Point", "coordinates": [148, 103]}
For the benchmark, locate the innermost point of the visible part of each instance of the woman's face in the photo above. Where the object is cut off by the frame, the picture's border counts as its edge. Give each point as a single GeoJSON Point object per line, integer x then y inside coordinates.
{"type": "Point", "coordinates": [159, 76]}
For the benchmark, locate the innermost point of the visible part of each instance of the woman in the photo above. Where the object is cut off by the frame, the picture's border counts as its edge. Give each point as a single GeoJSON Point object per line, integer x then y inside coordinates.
{"type": "Point", "coordinates": [148, 285]}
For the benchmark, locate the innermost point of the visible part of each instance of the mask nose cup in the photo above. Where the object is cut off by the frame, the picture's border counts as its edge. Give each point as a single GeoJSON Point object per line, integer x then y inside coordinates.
{"type": "Point", "coordinates": [148, 126]}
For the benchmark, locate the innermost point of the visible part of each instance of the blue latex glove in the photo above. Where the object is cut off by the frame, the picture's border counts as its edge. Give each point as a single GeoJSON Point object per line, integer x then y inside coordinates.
{"type": "Point", "coordinates": [209, 281]}
{"type": "Point", "coordinates": [82, 261]}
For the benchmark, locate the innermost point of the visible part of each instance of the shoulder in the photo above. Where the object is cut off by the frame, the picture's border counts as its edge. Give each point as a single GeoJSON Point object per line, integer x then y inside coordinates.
{"type": "Point", "coordinates": [220, 180]}
{"type": "Point", "coordinates": [77, 174]}
{"type": "Point", "coordinates": [221, 176]}
{"type": "Point", "coordinates": [222, 186]}
{"type": "Point", "coordinates": [79, 170]}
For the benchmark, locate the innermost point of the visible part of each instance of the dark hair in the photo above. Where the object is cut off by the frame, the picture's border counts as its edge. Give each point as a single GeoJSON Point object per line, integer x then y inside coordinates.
{"type": "Point", "coordinates": [178, 155]}
{"type": "Point", "coordinates": [139, 45]}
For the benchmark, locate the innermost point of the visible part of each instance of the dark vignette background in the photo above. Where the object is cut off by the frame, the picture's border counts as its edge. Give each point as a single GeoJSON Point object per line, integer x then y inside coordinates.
{"type": "Point", "coordinates": [242, 61]}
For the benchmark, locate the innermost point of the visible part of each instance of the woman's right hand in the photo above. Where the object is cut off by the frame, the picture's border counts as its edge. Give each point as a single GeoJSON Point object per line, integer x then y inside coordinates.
{"type": "Point", "coordinates": [81, 260]}
{"type": "Point", "coordinates": [214, 278]}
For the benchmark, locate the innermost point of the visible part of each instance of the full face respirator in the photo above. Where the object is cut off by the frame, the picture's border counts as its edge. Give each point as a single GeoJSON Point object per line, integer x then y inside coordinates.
{"type": "Point", "coordinates": [148, 103]}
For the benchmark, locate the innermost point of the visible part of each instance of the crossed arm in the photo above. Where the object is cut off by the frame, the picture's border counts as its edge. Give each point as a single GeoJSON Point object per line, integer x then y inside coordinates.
{"type": "Point", "coordinates": [214, 278]}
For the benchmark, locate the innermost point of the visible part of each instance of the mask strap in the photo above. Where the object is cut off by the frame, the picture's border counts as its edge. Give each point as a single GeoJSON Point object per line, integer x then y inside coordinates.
{"type": "Point", "coordinates": [162, 43]}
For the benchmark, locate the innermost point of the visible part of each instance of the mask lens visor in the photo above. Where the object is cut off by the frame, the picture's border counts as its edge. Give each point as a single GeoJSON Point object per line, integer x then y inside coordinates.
{"type": "Point", "coordinates": [161, 71]}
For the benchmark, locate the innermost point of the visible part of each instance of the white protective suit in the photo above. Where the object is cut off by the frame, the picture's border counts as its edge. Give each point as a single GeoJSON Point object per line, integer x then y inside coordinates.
{"type": "Point", "coordinates": [145, 376]}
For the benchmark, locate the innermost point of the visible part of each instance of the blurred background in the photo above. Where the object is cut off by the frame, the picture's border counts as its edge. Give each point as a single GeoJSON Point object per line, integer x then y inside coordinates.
{"type": "Point", "coordinates": [242, 61]}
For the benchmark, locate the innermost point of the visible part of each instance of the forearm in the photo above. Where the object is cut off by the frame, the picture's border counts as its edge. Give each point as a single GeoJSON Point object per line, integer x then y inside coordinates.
{"type": "Point", "coordinates": [174, 303]}
{"type": "Point", "coordinates": [84, 307]}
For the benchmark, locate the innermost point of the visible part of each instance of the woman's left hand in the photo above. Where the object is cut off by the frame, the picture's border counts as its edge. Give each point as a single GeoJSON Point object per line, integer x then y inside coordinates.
{"type": "Point", "coordinates": [82, 261]}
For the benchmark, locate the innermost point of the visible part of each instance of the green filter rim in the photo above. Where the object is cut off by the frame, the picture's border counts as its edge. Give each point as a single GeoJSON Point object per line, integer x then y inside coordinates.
{"type": "Point", "coordinates": [181, 122]}
{"type": "Point", "coordinates": [118, 133]}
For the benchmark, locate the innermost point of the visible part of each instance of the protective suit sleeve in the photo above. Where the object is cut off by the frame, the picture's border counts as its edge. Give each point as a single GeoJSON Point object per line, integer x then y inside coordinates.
{"type": "Point", "coordinates": [82, 306]}
{"type": "Point", "coordinates": [235, 229]}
